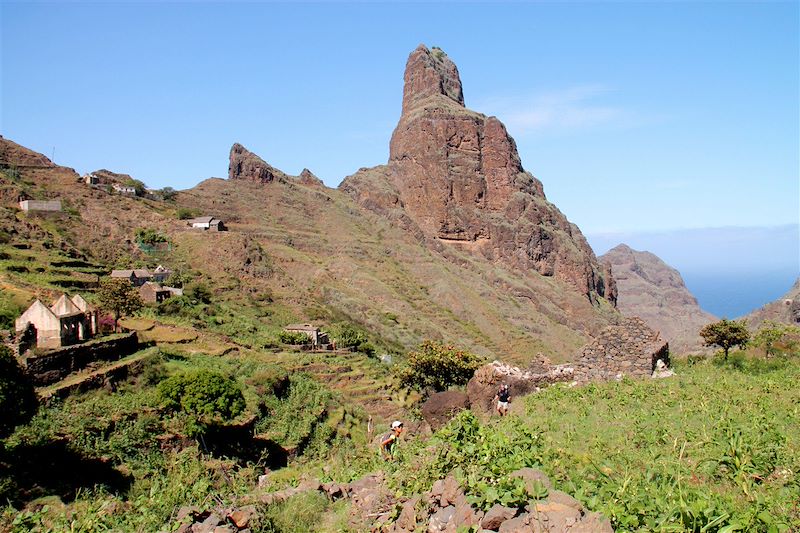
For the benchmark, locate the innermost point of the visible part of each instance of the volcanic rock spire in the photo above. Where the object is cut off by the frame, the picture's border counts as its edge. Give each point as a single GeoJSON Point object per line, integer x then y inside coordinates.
{"type": "Point", "coordinates": [456, 176]}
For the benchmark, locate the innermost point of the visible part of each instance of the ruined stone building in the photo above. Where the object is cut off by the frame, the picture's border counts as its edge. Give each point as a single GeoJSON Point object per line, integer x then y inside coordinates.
{"type": "Point", "coordinates": [67, 321]}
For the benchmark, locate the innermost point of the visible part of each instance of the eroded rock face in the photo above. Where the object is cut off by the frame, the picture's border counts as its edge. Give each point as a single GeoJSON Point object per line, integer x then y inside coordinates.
{"type": "Point", "coordinates": [655, 292]}
{"type": "Point", "coordinates": [245, 165]}
{"type": "Point", "coordinates": [456, 175]}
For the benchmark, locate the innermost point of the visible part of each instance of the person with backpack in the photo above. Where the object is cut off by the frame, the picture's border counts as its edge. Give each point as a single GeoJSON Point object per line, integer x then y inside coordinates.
{"type": "Point", "coordinates": [389, 441]}
{"type": "Point", "coordinates": [502, 398]}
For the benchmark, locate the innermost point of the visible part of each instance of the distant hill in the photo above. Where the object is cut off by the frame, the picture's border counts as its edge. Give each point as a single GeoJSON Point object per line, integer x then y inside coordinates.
{"type": "Point", "coordinates": [785, 309]}
{"type": "Point", "coordinates": [649, 288]}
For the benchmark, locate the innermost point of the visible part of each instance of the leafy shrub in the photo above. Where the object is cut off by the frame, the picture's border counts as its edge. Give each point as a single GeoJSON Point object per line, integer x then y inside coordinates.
{"type": "Point", "coordinates": [199, 293]}
{"type": "Point", "coordinates": [349, 336]}
{"type": "Point", "coordinates": [167, 194]}
{"type": "Point", "coordinates": [776, 338]}
{"type": "Point", "coordinates": [150, 236]}
{"type": "Point", "coordinates": [205, 396]}
{"type": "Point", "coordinates": [437, 366]}
{"type": "Point", "coordinates": [293, 337]}
{"type": "Point", "coordinates": [18, 402]}
{"type": "Point", "coordinates": [185, 213]}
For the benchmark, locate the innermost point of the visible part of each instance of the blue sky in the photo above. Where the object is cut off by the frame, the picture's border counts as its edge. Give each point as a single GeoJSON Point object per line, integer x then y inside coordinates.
{"type": "Point", "coordinates": [637, 117]}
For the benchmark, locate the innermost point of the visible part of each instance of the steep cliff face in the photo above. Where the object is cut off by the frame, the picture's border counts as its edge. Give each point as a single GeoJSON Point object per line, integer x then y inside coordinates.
{"type": "Point", "coordinates": [455, 175]}
{"type": "Point", "coordinates": [651, 289]}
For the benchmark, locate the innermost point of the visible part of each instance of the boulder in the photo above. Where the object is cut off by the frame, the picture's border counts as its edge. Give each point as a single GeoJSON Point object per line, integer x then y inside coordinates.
{"type": "Point", "coordinates": [441, 519]}
{"type": "Point", "coordinates": [520, 524]}
{"type": "Point", "coordinates": [440, 407]}
{"type": "Point", "coordinates": [531, 477]}
{"type": "Point", "coordinates": [496, 516]}
{"type": "Point", "coordinates": [483, 386]}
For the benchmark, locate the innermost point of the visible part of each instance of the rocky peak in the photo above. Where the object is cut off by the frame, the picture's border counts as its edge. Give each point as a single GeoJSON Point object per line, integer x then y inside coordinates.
{"type": "Point", "coordinates": [456, 176]}
{"type": "Point", "coordinates": [245, 165]}
{"type": "Point", "coordinates": [430, 74]}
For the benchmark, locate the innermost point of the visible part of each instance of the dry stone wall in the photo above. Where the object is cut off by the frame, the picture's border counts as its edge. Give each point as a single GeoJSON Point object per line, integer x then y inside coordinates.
{"type": "Point", "coordinates": [55, 365]}
{"type": "Point", "coordinates": [627, 349]}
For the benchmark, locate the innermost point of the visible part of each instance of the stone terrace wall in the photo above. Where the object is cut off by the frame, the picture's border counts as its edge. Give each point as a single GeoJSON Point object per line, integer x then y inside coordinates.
{"type": "Point", "coordinates": [631, 349]}
{"type": "Point", "coordinates": [55, 365]}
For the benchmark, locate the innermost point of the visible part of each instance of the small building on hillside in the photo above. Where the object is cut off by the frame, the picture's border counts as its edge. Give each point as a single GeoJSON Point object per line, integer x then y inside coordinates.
{"type": "Point", "coordinates": [67, 321]}
{"type": "Point", "coordinates": [40, 205]}
{"type": "Point", "coordinates": [137, 276]}
{"type": "Point", "coordinates": [125, 190]}
{"type": "Point", "coordinates": [154, 293]}
{"type": "Point", "coordinates": [207, 223]}
{"type": "Point", "coordinates": [317, 336]}
{"type": "Point", "coordinates": [91, 179]}
{"type": "Point", "coordinates": [160, 274]}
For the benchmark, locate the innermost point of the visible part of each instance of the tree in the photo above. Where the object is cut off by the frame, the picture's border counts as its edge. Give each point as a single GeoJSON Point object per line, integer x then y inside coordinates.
{"type": "Point", "coordinates": [726, 334]}
{"type": "Point", "coordinates": [772, 334]}
{"type": "Point", "coordinates": [18, 402]}
{"type": "Point", "coordinates": [437, 366]}
{"type": "Point", "coordinates": [137, 185]}
{"type": "Point", "coordinates": [168, 194]}
{"type": "Point", "coordinates": [119, 296]}
{"type": "Point", "coordinates": [205, 396]}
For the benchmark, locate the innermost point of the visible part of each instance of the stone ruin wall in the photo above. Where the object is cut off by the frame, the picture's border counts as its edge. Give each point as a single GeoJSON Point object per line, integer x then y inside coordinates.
{"type": "Point", "coordinates": [55, 365]}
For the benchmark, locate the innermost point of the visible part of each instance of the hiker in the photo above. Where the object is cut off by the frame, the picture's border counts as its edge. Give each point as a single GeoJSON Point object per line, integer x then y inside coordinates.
{"type": "Point", "coordinates": [502, 398]}
{"type": "Point", "coordinates": [389, 441]}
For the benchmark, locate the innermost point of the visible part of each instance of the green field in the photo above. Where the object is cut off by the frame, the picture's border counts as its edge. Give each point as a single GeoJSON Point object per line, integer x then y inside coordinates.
{"type": "Point", "coordinates": [715, 448]}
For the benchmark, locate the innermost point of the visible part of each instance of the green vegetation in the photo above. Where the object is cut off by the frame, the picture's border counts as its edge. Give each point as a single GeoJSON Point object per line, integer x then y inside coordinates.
{"type": "Point", "coordinates": [293, 337]}
{"type": "Point", "coordinates": [120, 297]}
{"type": "Point", "coordinates": [437, 366]}
{"type": "Point", "coordinates": [350, 336]}
{"type": "Point", "coordinates": [776, 338]}
{"type": "Point", "coordinates": [167, 194]}
{"type": "Point", "coordinates": [726, 334]}
{"type": "Point", "coordinates": [186, 213]}
{"type": "Point", "coordinates": [137, 185]}
{"type": "Point", "coordinates": [205, 396]}
{"type": "Point", "coordinates": [18, 401]}
{"type": "Point", "coordinates": [150, 236]}
{"type": "Point", "coordinates": [713, 449]}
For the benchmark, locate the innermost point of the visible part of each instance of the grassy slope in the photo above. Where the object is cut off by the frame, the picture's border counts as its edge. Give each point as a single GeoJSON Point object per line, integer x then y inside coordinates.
{"type": "Point", "coordinates": [713, 447]}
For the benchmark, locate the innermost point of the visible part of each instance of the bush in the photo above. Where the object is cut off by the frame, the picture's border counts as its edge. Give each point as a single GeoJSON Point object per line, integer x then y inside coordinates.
{"type": "Point", "coordinates": [348, 336]}
{"type": "Point", "coordinates": [185, 213]}
{"type": "Point", "coordinates": [199, 293]}
{"type": "Point", "coordinates": [293, 337]}
{"type": "Point", "coordinates": [150, 236]}
{"type": "Point", "coordinates": [437, 366]}
{"type": "Point", "coordinates": [205, 396]}
{"type": "Point", "coordinates": [18, 402]}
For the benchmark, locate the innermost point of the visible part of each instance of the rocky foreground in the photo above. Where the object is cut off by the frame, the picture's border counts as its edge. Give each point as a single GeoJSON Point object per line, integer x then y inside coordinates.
{"type": "Point", "coordinates": [444, 508]}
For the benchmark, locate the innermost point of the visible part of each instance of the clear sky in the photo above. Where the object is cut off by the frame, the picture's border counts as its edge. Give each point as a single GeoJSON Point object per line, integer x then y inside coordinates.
{"type": "Point", "coordinates": [637, 117]}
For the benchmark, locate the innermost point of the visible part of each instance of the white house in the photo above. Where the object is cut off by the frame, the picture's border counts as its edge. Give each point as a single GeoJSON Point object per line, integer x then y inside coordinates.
{"type": "Point", "coordinates": [207, 223]}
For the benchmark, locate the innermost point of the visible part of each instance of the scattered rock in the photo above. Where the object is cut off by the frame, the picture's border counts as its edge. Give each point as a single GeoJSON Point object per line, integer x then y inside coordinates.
{"type": "Point", "coordinates": [440, 519]}
{"type": "Point", "coordinates": [496, 516]}
{"type": "Point", "coordinates": [531, 477]}
{"type": "Point", "coordinates": [241, 517]}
